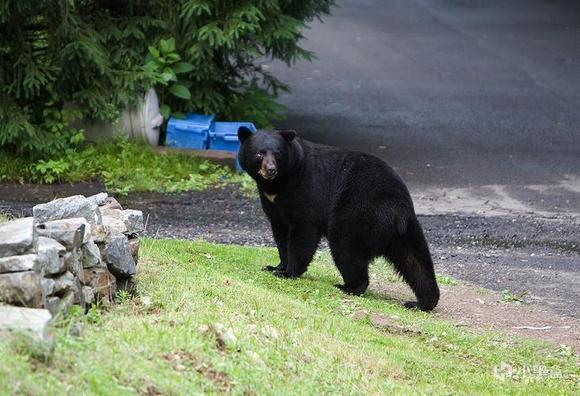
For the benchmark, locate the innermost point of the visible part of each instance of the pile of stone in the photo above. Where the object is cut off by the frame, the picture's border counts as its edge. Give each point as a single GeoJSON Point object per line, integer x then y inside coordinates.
{"type": "Point", "coordinates": [73, 250]}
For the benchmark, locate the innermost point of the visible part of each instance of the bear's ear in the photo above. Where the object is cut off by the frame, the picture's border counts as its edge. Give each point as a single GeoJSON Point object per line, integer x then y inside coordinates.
{"type": "Point", "coordinates": [288, 134]}
{"type": "Point", "coordinates": [243, 133]}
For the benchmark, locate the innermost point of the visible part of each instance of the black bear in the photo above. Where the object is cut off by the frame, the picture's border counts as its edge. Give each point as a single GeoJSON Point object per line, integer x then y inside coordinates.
{"type": "Point", "coordinates": [353, 199]}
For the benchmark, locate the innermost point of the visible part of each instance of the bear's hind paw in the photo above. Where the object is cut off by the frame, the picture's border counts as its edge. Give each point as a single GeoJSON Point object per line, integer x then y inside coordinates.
{"type": "Point", "coordinates": [271, 268]}
{"type": "Point", "coordinates": [416, 306]}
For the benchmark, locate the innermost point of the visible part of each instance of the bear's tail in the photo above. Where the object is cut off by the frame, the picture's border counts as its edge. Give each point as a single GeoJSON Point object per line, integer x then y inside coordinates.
{"type": "Point", "coordinates": [410, 255]}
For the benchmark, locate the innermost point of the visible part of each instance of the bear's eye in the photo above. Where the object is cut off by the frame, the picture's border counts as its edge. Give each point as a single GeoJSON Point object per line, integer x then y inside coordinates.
{"type": "Point", "coordinates": [277, 154]}
{"type": "Point", "coordinates": [260, 155]}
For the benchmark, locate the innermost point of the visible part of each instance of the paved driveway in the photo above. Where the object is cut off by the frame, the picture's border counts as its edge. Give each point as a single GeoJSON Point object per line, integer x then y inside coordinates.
{"type": "Point", "coordinates": [476, 103]}
{"type": "Point", "coordinates": [477, 98]}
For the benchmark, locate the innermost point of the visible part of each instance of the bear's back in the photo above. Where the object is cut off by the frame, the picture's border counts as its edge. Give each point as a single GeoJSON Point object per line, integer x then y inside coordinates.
{"type": "Point", "coordinates": [353, 171]}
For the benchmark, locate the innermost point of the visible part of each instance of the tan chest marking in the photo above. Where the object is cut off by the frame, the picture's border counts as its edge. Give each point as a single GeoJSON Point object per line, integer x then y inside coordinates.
{"type": "Point", "coordinates": [271, 197]}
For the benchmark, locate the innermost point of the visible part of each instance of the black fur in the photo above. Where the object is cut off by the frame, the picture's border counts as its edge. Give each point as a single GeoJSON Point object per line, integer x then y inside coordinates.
{"type": "Point", "coordinates": [355, 200]}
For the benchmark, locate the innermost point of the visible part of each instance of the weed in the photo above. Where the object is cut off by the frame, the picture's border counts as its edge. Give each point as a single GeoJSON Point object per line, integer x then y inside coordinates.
{"type": "Point", "coordinates": [508, 297]}
{"type": "Point", "coordinates": [123, 297]}
{"type": "Point", "coordinates": [446, 280]}
{"type": "Point", "coordinates": [50, 171]}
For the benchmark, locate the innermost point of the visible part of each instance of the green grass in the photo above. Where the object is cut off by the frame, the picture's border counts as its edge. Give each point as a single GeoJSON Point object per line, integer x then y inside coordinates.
{"type": "Point", "coordinates": [123, 167]}
{"type": "Point", "coordinates": [279, 337]}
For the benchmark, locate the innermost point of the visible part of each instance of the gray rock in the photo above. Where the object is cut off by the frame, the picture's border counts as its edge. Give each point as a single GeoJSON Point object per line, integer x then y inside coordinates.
{"type": "Point", "coordinates": [133, 221]}
{"type": "Point", "coordinates": [98, 216]}
{"type": "Point", "coordinates": [27, 262]}
{"type": "Point", "coordinates": [115, 224]}
{"type": "Point", "coordinates": [17, 237]}
{"type": "Point", "coordinates": [102, 282]}
{"type": "Point", "coordinates": [47, 287]}
{"type": "Point", "coordinates": [134, 247]}
{"type": "Point", "coordinates": [66, 208]}
{"type": "Point", "coordinates": [35, 323]}
{"type": "Point", "coordinates": [66, 302]}
{"type": "Point", "coordinates": [64, 283]}
{"type": "Point", "coordinates": [51, 256]}
{"type": "Point", "coordinates": [91, 255]}
{"type": "Point", "coordinates": [61, 305]}
{"type": "Point", "coordinates": [112, 212]}
{"type": "Point", "coordinates": [88, 295]}
{"type": "Point", "coordinates": [112, 203]}
{"type": "Point", "coordinates": [100, 233]}
{"type": "Point", "coordinates": [79, 297]}
{"type": "Point", "coordinates": [21, 288]}
{"type": "Point", "coordinates": [99, 199]}
{"type": "Point", "coordinates": [118, 257]}
{"type": "Point", "coordinates": [71, 233]}
{"type": "Point", "coordinates": [52, 304]}
{"type": "Point", "coordinates": [72, 262]}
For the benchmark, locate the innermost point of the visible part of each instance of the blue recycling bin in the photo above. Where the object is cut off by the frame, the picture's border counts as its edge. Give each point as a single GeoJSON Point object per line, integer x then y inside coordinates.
{"type": "Point", "coordinates": [191, 132]}
{"type": "Point", "coordinates": [224, 135]}
{"type": "Point", "coordinates": [202, 132]}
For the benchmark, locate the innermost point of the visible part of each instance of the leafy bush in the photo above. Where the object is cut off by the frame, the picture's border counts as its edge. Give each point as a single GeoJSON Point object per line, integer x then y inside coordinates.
{"type": "Point", "coordinates": [123, 167]}
{"type": "Point", "coordinates": [65, 59]}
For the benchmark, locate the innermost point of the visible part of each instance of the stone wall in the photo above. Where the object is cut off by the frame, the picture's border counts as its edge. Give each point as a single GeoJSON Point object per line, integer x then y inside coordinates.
{"type": "Point", "coordinates": [73, 250]}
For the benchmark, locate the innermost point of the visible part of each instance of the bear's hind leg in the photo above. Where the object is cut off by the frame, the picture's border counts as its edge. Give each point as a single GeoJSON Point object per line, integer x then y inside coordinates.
{"type": "Point", "coordinates": [415, 265]}
{"type": "Point", "coordinates": [353, 265]}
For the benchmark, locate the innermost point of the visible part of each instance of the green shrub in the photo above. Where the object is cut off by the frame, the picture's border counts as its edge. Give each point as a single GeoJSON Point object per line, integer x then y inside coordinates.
{"type": "Point", "coordinates": [123, 167]}
{"type": "Point", "coordinates": [62, 60]}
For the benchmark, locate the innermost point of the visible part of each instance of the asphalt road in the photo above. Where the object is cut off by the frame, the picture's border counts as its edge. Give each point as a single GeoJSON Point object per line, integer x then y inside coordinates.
{"type": "Point", "coordinates": [477, 95]}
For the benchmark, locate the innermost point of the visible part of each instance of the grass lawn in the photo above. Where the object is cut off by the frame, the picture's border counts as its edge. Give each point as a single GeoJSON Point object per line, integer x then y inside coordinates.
{"type": "Point", "coordinates": [208, 320]}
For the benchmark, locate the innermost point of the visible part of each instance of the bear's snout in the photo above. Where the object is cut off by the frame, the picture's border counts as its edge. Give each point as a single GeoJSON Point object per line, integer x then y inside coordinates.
{"type": "Point", "coordinates": [269, 169]}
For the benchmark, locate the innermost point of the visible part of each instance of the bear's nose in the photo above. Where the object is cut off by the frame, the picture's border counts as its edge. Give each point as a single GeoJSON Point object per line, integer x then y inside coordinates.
{"type": "Point", "coordinates": [271, 171]}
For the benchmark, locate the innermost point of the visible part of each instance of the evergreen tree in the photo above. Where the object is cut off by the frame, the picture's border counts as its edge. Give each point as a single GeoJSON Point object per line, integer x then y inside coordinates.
{"type": "Point", "coordinates": [66, 59]}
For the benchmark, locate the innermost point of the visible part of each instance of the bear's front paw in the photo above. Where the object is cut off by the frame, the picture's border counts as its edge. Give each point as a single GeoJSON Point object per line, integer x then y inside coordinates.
{"type": "Point", "coordinates": [283, 274]}
{"type": "Point", "coordinates": [356, 291]}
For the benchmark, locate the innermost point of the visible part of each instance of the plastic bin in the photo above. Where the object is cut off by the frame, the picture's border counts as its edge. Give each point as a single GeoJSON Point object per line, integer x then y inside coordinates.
{"type": "Point", "coordinates": [191, 132]}
{"type": "Point", "coordinates": [224, 135]}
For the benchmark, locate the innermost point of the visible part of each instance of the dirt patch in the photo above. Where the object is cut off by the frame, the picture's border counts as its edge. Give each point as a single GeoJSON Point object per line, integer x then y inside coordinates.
{"type": "Point", "coordinates": [183, 361]}
{"type": "Point", "coordinates": [220, 379]}
{"type": "Point", "coordinates": [467, 305]}
{"type": "Point", "coordinates": [390, 324]}
{"type": "Point", "coordinates": [151, 390]}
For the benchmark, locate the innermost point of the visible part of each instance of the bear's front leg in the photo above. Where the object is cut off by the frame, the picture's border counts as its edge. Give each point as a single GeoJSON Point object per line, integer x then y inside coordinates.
{"type": "Point", "coordinates": [280, 231]}
{"type": "Point", "coordinates": [302, 243]}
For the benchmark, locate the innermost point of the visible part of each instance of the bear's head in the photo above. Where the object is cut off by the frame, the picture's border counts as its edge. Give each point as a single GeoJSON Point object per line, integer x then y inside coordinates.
{"type": "Point", "coordinates": [267, 155]}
